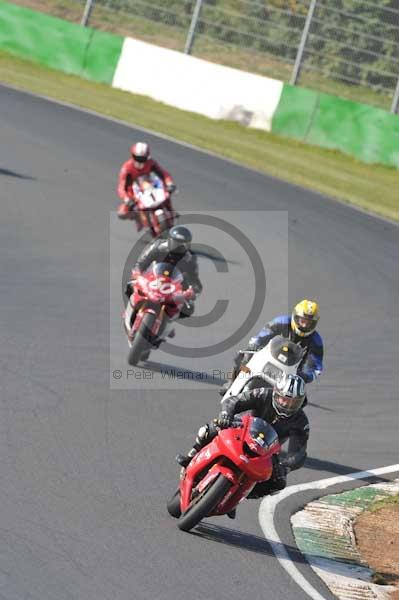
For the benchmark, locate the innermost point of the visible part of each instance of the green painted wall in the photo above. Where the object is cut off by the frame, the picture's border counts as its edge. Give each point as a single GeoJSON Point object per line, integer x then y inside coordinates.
{"type": "Point", "coordinates": [295, 111]}
{"type": "Point", "coordinates": [367, 133]}
{"type": "Point", "coordinates": [59, 44]}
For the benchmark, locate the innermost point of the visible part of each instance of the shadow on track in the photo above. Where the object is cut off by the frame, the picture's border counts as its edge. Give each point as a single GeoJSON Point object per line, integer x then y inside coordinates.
{"type": "Point", "coordinates": [260, 545]}
{"type": "Point", "coordinates": [174, 372]}
{"type": "Point", "coordinates": [317, 464]}
{"type": "Point", "coordinates": [214, 257]}
{"type": "Point", "coordinates": [325, 408]}
{"type": "Point", "coordinates": [9, 173]}
{"type": "Point", "coordinates": [330, 467]}
{"type": "Point", "coordinates": [242, 540]}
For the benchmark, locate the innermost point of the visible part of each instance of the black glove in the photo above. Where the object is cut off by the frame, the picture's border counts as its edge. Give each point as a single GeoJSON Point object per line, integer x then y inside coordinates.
{"type": "Point", "coordinates": [224, 420]}
{"type": "Point", "coordinates": [170, 187]}
{"type": "Point", "coordinates": [307, 377]}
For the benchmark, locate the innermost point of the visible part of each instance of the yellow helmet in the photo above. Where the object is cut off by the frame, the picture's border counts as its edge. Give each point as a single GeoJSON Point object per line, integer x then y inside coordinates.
{"type": "Point", "coordinates": [305, 317]}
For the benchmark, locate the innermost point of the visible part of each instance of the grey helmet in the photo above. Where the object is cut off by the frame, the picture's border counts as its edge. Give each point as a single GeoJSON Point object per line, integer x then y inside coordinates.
{"type": "Point", "coordinates": [288, 395]}
{"type": "Point", "coordinates": [179, 239]}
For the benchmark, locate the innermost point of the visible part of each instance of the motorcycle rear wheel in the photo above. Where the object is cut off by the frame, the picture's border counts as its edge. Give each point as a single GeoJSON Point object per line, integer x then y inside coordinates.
{"type": "Point", "coordinates": [201, 508]}
{"type": "Point", "coordinates": [142, 341]}
{"type": "Point", "coordinates": [163, 224]}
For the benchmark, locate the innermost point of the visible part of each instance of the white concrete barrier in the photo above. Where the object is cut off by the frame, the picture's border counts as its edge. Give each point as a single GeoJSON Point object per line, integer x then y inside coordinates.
{"type": "Point", "coordinates": [197, 85]}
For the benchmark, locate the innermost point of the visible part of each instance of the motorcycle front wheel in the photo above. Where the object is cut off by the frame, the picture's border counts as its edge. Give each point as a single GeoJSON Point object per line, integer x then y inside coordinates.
{"type": "Point", "coordinates": [142, 340]}
{"type": "Point", "coordinates": [173, 505]}
{"type": "Point", "coordinates": [163, 222]}
{"type": "Point", "coordinates": [205, 503]}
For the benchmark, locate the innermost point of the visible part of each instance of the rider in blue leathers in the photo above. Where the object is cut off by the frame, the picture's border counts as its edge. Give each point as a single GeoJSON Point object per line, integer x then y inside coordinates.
{"type": "Point", "coordinates": [300, 327]}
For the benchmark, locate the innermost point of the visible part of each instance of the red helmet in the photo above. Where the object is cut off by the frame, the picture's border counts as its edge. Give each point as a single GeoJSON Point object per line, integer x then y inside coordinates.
{"type": "Point", "coordinates": [140, 152]}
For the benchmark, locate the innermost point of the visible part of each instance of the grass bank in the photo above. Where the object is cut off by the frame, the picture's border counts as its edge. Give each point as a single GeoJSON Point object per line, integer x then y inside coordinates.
{"type": "Point", "coordinates": [373, 188]}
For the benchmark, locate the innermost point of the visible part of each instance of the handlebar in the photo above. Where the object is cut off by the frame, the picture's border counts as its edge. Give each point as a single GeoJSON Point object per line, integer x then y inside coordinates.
{"type": "Point", "coordinates": [236, 424]}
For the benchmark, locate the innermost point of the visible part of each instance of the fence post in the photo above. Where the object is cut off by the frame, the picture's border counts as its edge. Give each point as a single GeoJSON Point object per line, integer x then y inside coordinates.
{"type": "Point", "coordinates": [87, 12]}
{"type": "Point", "coordinates": [302, 44]}
{"type": "Point", "coordinates": [395, 100]}
{"type": "Point", "coordinates": [193, 26]}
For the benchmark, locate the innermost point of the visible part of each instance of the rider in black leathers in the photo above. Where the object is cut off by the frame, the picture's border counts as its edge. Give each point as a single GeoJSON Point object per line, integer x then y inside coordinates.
{"type": "Point", "coordinates": [281, 407]}
{"type": "Point", "coordinates": [174, 250]}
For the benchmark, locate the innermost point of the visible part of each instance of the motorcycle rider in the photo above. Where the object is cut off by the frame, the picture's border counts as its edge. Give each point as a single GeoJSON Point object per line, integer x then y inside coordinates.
{"type": "Point", "coordinates": [140, 163]}
{"type": "Point", "coordinates": [299, 327]}
{"type": "Point", "coordinates": [281, 407]}
{"type": "Point", "coordinates": [174, 250]}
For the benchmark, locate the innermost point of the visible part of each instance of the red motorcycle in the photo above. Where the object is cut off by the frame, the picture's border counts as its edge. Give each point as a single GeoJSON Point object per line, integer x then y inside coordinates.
{"type": "Point", "coordinates": [152, 208]}
{"type": "Point", "coordinates": [157, 301]}
{"type": "Point", "coordinates": [224, 472]}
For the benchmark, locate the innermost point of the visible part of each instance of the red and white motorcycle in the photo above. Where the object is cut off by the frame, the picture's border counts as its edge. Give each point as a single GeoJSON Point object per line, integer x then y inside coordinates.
{"type": "Point", "coordinates": [157, 301]}
{"type": "Point", "coordinates": [153, 208]}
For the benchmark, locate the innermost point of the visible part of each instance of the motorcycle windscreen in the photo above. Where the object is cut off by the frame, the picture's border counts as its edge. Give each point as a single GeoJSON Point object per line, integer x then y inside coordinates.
{"type": "Point", "coordinates": [284, 351]}
{"type": "Point", "coordinates": [162, 270]}
{"type": "Point", "coordinates": [149, 179]}
{"type": "Point", "coordinates": [263, 434]}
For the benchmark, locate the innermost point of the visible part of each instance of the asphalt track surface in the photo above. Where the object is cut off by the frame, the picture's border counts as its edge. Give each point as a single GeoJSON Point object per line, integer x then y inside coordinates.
{"type": "Point", "coordinates": [85, 471]}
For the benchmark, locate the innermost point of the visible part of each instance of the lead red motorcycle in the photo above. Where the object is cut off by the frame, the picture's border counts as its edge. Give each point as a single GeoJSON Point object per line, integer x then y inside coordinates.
{"type": "Point", "coordinates": [152, 207]}
{"type": "Point", "coordinates": [157, 301]}
{"type": "Point", "coordinates": [224, 472]}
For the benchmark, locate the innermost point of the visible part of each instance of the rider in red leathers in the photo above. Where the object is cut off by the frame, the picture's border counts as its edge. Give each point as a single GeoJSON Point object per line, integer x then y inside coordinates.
{"type": "Point", "coordinates": [140, 163]}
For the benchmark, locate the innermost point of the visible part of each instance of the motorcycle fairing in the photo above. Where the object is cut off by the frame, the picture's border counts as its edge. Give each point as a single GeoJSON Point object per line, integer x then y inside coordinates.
{"type": "Point", "coordinates": [221, 456]}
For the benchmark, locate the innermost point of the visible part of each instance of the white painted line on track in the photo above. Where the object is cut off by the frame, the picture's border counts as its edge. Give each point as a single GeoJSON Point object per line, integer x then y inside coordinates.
{"type": "Point", "coordinates": [266, 519]}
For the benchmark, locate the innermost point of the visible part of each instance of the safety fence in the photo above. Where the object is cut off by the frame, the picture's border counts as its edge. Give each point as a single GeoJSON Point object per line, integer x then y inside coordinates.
{"type": "Point", "coordinates": [346, 47]}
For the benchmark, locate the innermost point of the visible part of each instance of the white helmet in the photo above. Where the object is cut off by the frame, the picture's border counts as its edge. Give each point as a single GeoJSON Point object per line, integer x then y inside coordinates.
{"type": "Point", "coordinates": [288, 395]}
{"type": "Point", "coordinates": [140, 154]}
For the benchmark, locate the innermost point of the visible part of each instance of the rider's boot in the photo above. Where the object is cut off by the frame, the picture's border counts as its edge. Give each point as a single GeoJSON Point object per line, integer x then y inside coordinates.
{"type": "Point", "coordinates": [185, 459]}
{"type": "Point", "coordinates": [205, 434]}
{"type": "Point", "coordinates": [232, 513]}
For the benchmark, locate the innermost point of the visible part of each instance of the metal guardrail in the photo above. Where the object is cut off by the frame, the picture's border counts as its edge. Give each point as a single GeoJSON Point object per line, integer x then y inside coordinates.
{"type": "Point", "coordinates": [349, 42]}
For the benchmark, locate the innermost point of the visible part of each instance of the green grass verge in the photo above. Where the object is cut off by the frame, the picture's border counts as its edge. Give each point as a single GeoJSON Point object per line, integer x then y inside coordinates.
{"type": "Point", "coordinates": [392, 501]}
{"type": "Point", "coordinates": [373, 188]}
